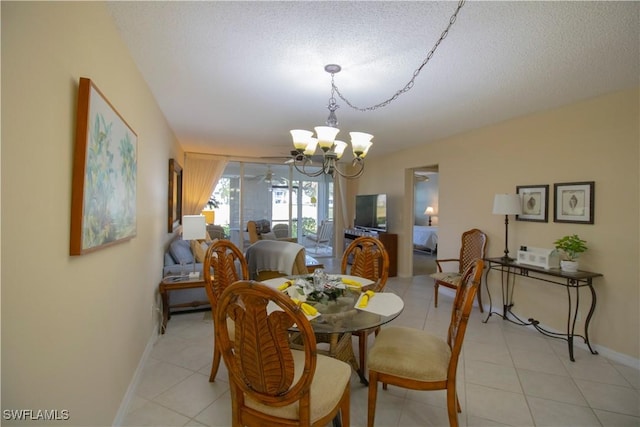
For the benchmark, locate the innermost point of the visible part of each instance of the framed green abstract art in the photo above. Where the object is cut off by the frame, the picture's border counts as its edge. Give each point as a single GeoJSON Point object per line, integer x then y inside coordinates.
{"type": "Point", "coordinates": [103, 198]}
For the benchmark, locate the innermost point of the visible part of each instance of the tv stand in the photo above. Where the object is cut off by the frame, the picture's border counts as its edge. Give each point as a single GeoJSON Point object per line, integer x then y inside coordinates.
{"type": "Point", "coordinates": [388, 240]}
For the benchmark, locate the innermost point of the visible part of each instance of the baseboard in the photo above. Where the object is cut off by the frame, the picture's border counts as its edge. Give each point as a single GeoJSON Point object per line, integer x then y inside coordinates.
{"type": "Point", "coordinates": [135, 381]}
{"type": "Point", "coordinates": [614, 356]}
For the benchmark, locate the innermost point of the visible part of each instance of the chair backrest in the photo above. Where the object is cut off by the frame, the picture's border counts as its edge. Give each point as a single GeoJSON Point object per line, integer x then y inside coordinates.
{"type": "Point", "coordinates": [474, 243]}
{"type": "Point", "coordinates": [280, 230]}
{"type": "Point", "coordinates": [267, 259]}
{"type": "Point", "coordinates": [258, 357]}
{"type": "Point", "coordinates": [369, 259]}
{"type": "Point", "coordinates": [325, 232]}
{"type": "Point", "coordinates": [257, 228]}
{"type": "Point", "coordinates": [216, 232]}
{"type": "Point", "coordinates": [221, 264]}
{"type": "Point", "coordinates": [462, 304]}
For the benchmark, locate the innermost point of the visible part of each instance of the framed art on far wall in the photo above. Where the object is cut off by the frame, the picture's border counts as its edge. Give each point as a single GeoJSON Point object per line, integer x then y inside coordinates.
{"type": "Point", "coordinates": [574, 202]}
{"type": "Point", "coordinates": [103, 189]}
{"type": "Point", "coordinates": [175, 195]}
{"type": "Point", "coordinates": [535, 203]}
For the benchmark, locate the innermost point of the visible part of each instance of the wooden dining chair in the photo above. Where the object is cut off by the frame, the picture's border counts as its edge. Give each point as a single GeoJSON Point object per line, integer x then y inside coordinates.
{"type": "Point", "coordinates": [472, 247]}
{"type": "Point", "coordinates": [224, 264]}
{"type": "Point", "coordinates": [270, 383]}
{"type": "Point", "coordinates": [414, 359]}
{"type": "Point", "coordinates": [366, 257]}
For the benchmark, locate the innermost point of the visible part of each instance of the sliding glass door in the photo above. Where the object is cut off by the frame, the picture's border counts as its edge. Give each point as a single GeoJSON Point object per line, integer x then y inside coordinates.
{"type": "Point", "coordinates": [275, 192]}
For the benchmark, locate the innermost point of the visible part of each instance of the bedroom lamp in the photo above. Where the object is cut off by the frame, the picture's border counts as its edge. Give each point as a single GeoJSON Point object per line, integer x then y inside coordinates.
{"type": "Point", "coordinates": [507, 204]}
{"type": "Point", "coordinates": [193, 228]}
{"type": "Point", "coordinates": [429, 211]}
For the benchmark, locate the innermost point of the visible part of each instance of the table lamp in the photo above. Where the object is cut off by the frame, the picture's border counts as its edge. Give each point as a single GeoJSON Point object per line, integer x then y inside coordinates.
{"type": "Point", "coordinates": [429, 211]}
{"type": "Point", "coordinates": [507, 204]}
{"type": "Point", "coordinates": [193, 228]}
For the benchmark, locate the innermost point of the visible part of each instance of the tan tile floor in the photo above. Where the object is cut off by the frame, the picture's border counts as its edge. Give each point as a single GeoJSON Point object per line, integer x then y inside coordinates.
{"type": "Point", "coordinates": [509, 376]}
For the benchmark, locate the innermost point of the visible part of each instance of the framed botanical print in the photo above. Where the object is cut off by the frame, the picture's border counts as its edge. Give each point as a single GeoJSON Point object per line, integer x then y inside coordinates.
{"type": "Point", "coordinates": [103, 196]}
{"type": "Point", "coordinates": [535, 203]}
{"type": "Point", "coordinates": [574, 202]}
{"type": "Point", "coordinates": [175, 196]}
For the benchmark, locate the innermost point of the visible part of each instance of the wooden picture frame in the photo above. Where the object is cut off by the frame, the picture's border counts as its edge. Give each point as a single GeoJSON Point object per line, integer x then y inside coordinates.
{"type": "Point", "coordinates": [574, 202]}
{"type": "Point", "coordinates": [103, 195]}
{"type": "Point", "coordinates": [175, 196]}
{"type": "Point", "coordinates": [535, 203]}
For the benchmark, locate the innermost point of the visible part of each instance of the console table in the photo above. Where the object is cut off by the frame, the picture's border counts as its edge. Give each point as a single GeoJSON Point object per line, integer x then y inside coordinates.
{"type": "Point", "coordinates": [175, 283]}
{"type": "Point", "coordinates": [509, 269]}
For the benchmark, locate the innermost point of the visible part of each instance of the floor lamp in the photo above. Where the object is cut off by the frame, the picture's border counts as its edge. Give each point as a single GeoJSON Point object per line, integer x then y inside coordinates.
{"type": "Point", "coordinates": [193, 228]}
{"type": "Point", "coordinates": [507, 204]}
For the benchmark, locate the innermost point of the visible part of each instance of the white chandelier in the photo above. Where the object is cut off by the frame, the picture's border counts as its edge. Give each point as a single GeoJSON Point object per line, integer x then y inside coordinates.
{"type": "Point", "coordinates": [305, 144]}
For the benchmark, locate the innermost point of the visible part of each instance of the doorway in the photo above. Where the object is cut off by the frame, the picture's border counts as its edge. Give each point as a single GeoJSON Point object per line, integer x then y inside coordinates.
{"type": "Point", "coordinates": [425, 219]}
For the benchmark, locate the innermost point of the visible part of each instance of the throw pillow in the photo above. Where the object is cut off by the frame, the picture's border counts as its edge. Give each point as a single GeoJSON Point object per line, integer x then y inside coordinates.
{"type": "Point", "coordinates": [180, 250]}
{"type": "Point", "coordinates": [199, 250]}
{"type": "Point", "coordinates": [168, 259]}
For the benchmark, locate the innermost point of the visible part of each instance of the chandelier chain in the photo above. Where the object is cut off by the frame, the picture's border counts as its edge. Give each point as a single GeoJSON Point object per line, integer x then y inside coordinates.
{"type": "Point", "coordinates": [411, 82]}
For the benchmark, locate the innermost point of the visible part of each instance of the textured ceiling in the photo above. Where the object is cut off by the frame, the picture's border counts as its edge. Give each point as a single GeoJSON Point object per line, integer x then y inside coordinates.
{"type": "Point", "coordinates": [233, 77]}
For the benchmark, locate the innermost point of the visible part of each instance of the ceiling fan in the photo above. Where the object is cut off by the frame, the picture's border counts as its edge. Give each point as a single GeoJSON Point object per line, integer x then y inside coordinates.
{"type": "Point", "coordinates": [270, 178]}
{"type": "Point", "coordinates": [295, 156]}
{"type": "Point", "coordinates": [421, 176]}
{"type": "Point", "coordinates": [424, 174]}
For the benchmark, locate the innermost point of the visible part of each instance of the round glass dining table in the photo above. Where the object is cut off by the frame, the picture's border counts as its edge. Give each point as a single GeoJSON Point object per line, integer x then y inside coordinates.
{"type": "Point", "coordinates": [336, 319]}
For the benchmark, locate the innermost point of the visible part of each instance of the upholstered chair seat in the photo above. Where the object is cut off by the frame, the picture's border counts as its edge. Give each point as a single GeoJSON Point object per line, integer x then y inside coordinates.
{"type": "Point", "coordinates": [410, 353]}
{"type": "Point", "coordinates": [331, 374]}
{"type": "Point", "coordinates": [451, 278]}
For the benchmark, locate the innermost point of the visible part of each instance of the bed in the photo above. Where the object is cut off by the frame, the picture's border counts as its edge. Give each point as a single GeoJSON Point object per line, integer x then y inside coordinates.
{"type": "Point", "coordinates": [425, 238]}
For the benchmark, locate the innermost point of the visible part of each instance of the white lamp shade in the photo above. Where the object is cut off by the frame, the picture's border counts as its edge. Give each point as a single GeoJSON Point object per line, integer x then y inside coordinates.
{"type": "Point", "coordinates": [428, 211]}
{"type": "Point", "coordinates": [360, 143]}
{"type": "Point", "coordinates": [311, 147]}
{"type": "Point", "coordinates": [326, 135]}
{"type": "Point", "coordinates": [193, 227]}
{"type": "Point", "coordinates": [507, 204]}
{"type": "Point", "coordinates": [301, 138]}
{"type": "Point", "coordinates": [339, 147]}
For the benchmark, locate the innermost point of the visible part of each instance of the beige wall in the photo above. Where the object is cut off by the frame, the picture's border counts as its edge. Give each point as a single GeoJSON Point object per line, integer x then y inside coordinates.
{"type": "Point", "coordinates": [596, 140]}
{"type": "Point", "coordinates": [73, 328]}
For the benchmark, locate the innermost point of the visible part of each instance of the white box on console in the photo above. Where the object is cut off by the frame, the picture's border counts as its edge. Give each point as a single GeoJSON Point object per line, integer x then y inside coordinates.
{"type": "Point", "coordinates": [539, 257]}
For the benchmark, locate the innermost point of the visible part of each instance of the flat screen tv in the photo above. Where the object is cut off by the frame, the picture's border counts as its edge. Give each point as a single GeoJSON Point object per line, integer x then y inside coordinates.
{"type": "Point", "coordinates": [371, 212]}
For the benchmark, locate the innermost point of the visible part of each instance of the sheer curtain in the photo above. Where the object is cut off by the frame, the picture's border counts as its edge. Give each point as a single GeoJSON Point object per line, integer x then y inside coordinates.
{"type": "Point", "coordinates": [341, 213]}
{"type": "Point", "coordinates": [201, 174]}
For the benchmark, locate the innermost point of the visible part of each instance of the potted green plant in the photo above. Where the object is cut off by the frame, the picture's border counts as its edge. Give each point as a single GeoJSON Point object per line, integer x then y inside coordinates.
{"type": "Point", "coordinates": [570, 248]}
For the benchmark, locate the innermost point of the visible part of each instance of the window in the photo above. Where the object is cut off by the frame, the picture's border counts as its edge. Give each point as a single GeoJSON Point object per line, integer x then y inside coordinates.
{"type": "Point", "coordinates": [277, 192]}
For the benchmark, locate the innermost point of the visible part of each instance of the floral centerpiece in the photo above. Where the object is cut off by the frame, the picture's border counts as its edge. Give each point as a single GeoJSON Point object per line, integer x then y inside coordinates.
{"type": "Point", "coordinates": [320, 287]}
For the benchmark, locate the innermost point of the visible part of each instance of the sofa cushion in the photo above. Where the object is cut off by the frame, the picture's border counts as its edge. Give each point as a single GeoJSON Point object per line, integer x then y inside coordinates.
{"type": "Point", "coordinates": [168, 259]}
{"type": "Point", "coordinates": [180, 250]}
{"type": "Point", "coordinates": [176, 269]}
{"type": "Point", "coordinates": [268, 236]}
